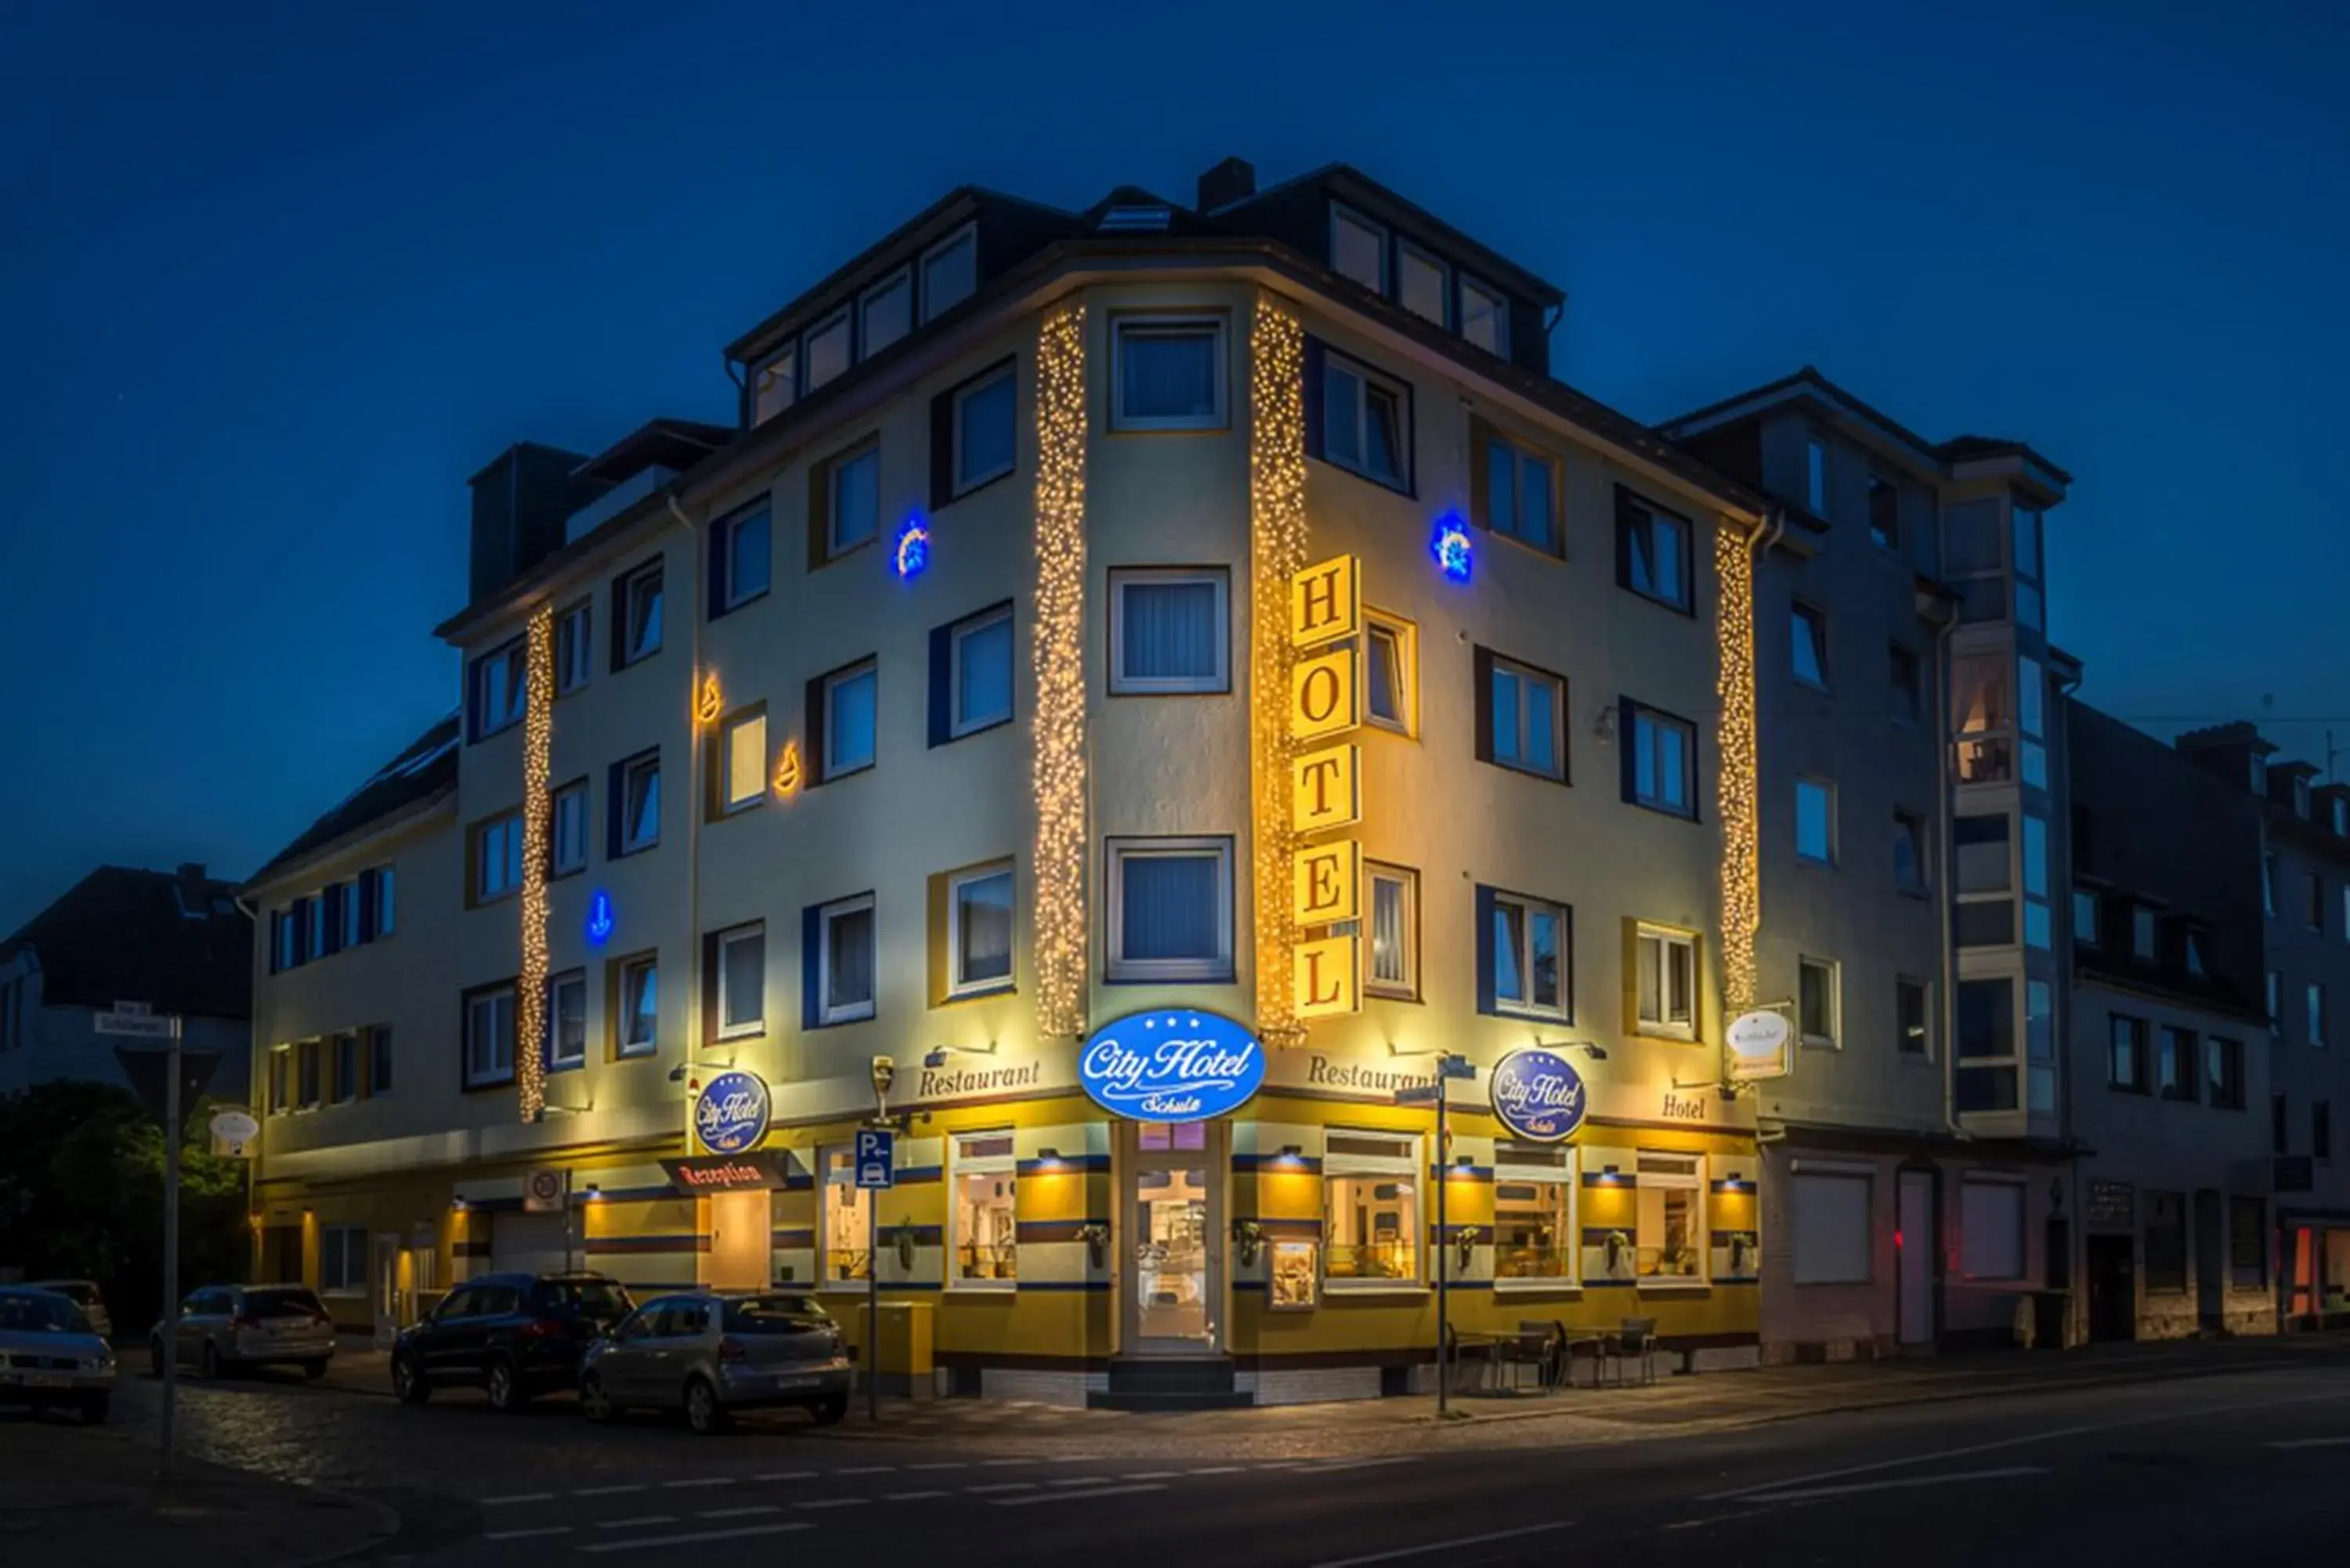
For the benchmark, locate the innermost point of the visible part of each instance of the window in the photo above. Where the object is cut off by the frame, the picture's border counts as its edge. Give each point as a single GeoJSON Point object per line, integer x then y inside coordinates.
{"type": "Point", "coordinates": [1665, 982]}
{"type": "Point", "coordinates": [1808, 626]}
{"type": "Point", "coordinates": [499, 688]}
{"type": "Point", "coordinates": [2315, 890]}
{"type": "Point", "coordinates": [2175, 1064]}
{"type": "Point", "coordinates": [1535, 1238]}
{"type": "Point", "coordinates": [2247, 1243]}
{"type": "Point", "coordinates": [2280, 1123]}
{"type": "Point", "coordinates": [566, 1042]}
{"type": "Point", "coordinates": [2223, 1073]}
{"type": "Point", "coordinates": [636, 803]}
{"type": "Point", "coordinates": [826, 348]}
{"type": "Point", "coordinates": [1815, 475]}
{"type": "Point", "coordinates": [2085, 919]}
{"type": "Point", "coordinates": [979, 932]}
{"type": "Point", "coordinates": [1170, 372]}
{"type": "Point", "coordinates": [742, 975]}
{"type": "Point", "coordinates": [886, 312]}
{"type": "Point", "coordinates": [1524, 717]}
{"type": "Point", "coordinates": [2040, 1047]}
{"type": "Point", "coordinates": [1663, 758]}
{"type": "Point", "coordinates": [2276, 1001]}
{"type": "Point", "coordinates": [2126, 1064]}
{"type": "Point", "coordinates": [950, 273]}
{"type": "Point", "coordinates": [1394, 967]}
{"type": "Point", "coordinates": [845, 959]}
{"type": "Point", "coordinates": [2317, 1014]}
{"type": "Point", "coordinates": [1908, 704]}
{"type": "Point", "coordinates": [986, 1226]}
{"type": "Point", "coordinates": [2268, 882]}
{"type": "Point", "coordinates": [386, 901]}
{"type": "Point", "coordinates": [1171, 908]}
{"type": "Point", "coordinates": [1912, 1018]}
{"type": "Point", "coordinates": [984, 424]}
{"type": "Point", "coordinates": [379, 1052]}
{"type": "Point", "coordinates": [1670, 1202]}
{"type": "Point", "coordinates": [1169, 631]}
{"type": "Point", "coordinates": [851, 501]}
{"type": "Point", "coordinates": [497, 858]}
{"type": "Point", "coordinates": [490, 1036]}
{"type": "Point", "coordinates": [348, 929]}
{"type": "Point", "coordinates": [342, 1260]}
{"type": "Point", "coordinates": [281, 1059]}
{"type": "Point", "coordinates": [847, 699]}
{"type": "Point", "coordinates": [314, 926]}
{"type": "Point", "coordinates": [740, 561]}
{"type": "Point", "coordinates": [2027, 541]}
{"type": "Point", "coordinates": [1909, 852]}
{"type": "Point", "coordinates": [1832, 1228]}
{"type": "Point", "coordinates": [2321, 1128]}
{"type": "Point", "coordinates": [1485, 317]}
{"type": "Point", "coordinates": [1366, 422]}
{"type": "Point", "coordinates": [567, 816]}
{"type": "Point", "coordinates": [1390, 661]}
{"type": "Point", "coordinates": [1983, 718]}
{"type": "Point", "coordinates": [1652, 552]}
{"type": "Point", "coordinates": [1991, 1230]}
{"type": "Point", "coordinates": [1424, 283]}
{"type": "Point", "coordinates": [575, 645]}
{"type": "Point", "coordinates": [775, 383]}
{"type": "Point", "coordinates": [346, 1068]}
{"type": "Point", "coordinates": [638, 597]}
{"type": "Point", "coordinates": [1523, 956]}
{"type": "Point", "coordinates": [2166, 1242]}
{"type": "Point", "coordinates": [639, 1012]}
{"type": "Point", "coordinates": [1358, 249]}
{"type": "Point", "coordinates": [1883, 512]}
{"type": "Point", "coordinates": [743, 748]}
{"type": "Point", "coordinates": [1815, 821]}
{"type": "Point", "coordinates": [847, 1227]}
{"type": "Point", "coordinates": [977, 677]}
{"type": "Point", "coordinates": [1817, 1002]}
{"type": "Point", "coordinates": [287, 947]}
{"type": "Point", "coordinates": [1371, 1209]}
{"type": "Point", "coordinates": [1520, 498]}
{"type": "Point", "coordinates": [2144, 934]}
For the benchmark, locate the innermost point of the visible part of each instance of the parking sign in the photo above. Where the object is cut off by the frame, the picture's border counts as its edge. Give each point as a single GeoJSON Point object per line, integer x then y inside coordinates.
{"type": "Point", "coordinates": [876, 1165]}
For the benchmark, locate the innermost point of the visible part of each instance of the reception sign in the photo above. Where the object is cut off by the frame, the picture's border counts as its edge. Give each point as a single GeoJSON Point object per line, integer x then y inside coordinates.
{"type": "Point", "coordinates": [1537, 1095]}
{"type": "Point", "coordinates": [1172, 1065]}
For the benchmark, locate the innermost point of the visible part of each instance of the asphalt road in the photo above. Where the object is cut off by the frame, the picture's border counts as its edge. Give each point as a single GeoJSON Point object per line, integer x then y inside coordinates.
{"type": "Point", "coordinates": [2212, 1469]}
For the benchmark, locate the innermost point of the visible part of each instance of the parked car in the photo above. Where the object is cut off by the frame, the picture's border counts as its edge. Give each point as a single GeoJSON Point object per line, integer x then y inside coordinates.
{"type": "Point", "coordinates": [85, 1296]}
{"type": "Point", "coordinates": [50, 1355]}
{"type": "Point", "coordinates": [711, 1355]}
{"type": "Point", "coordinates": [512, 1335]}
{"type": "Point", "coordinates": [228, 1328]}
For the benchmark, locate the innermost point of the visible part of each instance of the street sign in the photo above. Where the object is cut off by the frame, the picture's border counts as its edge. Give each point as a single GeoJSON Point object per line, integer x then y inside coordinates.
{"type": "Point", "coordinates": [1416, 1094]}
{"type": "Point", "coordinates": [543, 1189]}
{"type": "Point", "coordinates": [1758, 1046]}
{"type": "Point", "coordinates": [1451, 1067]}
{"type": "Point", "coordinates": [876, 1157]}
{"type": "Point", "coordinates": [233, 1132]}
{"type": "Point", "coordinates": [141, 1024]}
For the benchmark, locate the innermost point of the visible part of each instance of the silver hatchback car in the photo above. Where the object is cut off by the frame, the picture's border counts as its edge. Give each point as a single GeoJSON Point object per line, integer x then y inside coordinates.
{"type": "Point", "coordinates": [711, 1355]}
{"type": "Point", "coordinates": [48, 1355]}
{"type": "Point", "coordinates": [228, 1328]}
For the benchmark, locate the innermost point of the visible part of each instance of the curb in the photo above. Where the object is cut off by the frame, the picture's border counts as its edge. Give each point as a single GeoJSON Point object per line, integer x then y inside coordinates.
{"type": "Point", "coordinates": [386, 1526]}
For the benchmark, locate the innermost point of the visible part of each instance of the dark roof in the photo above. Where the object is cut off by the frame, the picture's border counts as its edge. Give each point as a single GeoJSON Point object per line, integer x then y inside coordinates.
{"type": "Point", "coordinates": [423, 768]}
{"type": "Point", "coordinates": [175, 940]}
{"type": "Point", "coordinates": [1958, 448]}
{"type": "Point", "coordinates": [670, 442]}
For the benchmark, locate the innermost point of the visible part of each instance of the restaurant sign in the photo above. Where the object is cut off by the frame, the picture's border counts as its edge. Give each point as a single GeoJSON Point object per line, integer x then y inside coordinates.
{"type": "Point", "coordinates": [1537, 1095]}
{"type": "Point", "coordinates": [730, 1115]}
{"type": "Point", "coordinates": [1172, 1065]}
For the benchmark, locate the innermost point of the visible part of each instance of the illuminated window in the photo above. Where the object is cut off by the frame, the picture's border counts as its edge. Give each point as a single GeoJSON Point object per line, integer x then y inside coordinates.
{"type": "Point", "coordinates": [742, 746]}
{"type": "Point", "coordinates": [498, 690]}
{"type": "Point", "coordinates": [825, 349]}
{"type": "Point", "coordinates": [987, 1241]}
{"type": "Point", "coordinates": [983, 417]}
{"type": "Point", "coordinates": [567, 843]}
{"type": "Point", "coordinates": [639, 1019]}
{"type": "Point", "coordinates": [1809, 631]}
{"type": "Point", "coordinates": [886, 312]}
{"type": "Point", "coordinates": [1171, 908]}
{"type": "Point", "coordinates": [1394, 963]}
{"type": "Point", "coordinates": [1168, 372]}
{"type": "Point", "coordinates": [563, 1043]}
{"type": "Point", "coordinates": [639, 596]}
{"type": "Point", "coordinates": [1535, 1235]}
{"type": "Point", "coordinates": [575, 647]}
{"type": "Point", "coordinates": [497, 858]}
{"type": "Point", "coordinates": [1523, 717]}
{"type": "Point", "coordinates": [1423, 283]}
{"type": "Point", "coordinates": [1665, 982]}
{"type": "Point", "coordinates": [1670, 1201]}
{"type": "Point", "coordinates": [740, 957]}
{"type": "Point", "coordinates": [740, 561]}
{"type": "Point", "coordinates": [1818, 1001]}
{"type": "Point", "coordinates": [1358, 249]}
{"type": "Point", "coordinates": [845, 1219]}
{"type": "Point", "coordinates": [490, 1036]}
{"type": "Point", "coordinates": [1170, 631]}
{"type": "Point", "coordinates": [775, 383]}
{"type": "Point", "coordinates": [950, 273]}
{"type": "Point", "coordinates": [1652, 552]}
{"type": "Point", "coordinates": [1485, 316]}
{"type": "Point", "coordinates": [1371, 1209]}
{"type": "Point", "coordinates": [979, 932]}
{"type": "Point", "coordinates": [851, 495]}
{"type": "Point", "coordinates": [1524, 965]}
{"type": "Point", "coordinates": [845, 959]}
{"type": "Point", "coordinates": [1390, 659]}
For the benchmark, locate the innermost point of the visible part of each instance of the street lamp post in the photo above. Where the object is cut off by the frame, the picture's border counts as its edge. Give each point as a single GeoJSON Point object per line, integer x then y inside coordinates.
{"type": "Point", "coordinates": [1449, 1065]}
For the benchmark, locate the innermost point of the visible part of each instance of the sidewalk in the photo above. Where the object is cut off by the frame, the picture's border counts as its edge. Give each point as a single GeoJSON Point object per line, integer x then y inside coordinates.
{"type": "Point", "coordinates": [78, 1494]}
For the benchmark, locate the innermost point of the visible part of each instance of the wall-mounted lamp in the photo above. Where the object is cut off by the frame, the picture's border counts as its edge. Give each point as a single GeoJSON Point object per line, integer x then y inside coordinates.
{"type": "Point", "coordinates": [1591, 1048]}
{"type": "Point", "coordinates": [594, 1193]}
{"type": "Point", "coordinates": [1049, 1157]}
{"type": "Point", "coordinates": [1291, 1151]}
{"type": "Point", "coordinates": [936, 1056]}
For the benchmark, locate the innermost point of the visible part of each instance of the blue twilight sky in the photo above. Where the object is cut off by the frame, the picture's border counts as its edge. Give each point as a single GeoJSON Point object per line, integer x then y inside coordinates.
{"type": "Point", "coordinates": [275, 279]}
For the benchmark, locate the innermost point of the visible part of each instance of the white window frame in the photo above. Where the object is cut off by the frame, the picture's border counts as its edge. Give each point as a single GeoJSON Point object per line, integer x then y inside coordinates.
{"type": "Point", "coordinates": [623, 1044]}
{"type": "Point", "coordinates": [1692, 1180]}
{"type": "Point", "coordinates": [1568, 1172]}
{"type": "Point", "coordinates": [1405, 638]}
{"type": "Point", "coordinates": [1170, 324]}
{"type": "Point", "coordinates": [1407, 253]}
{"type": "Point", "coordinates": [506, 833]}
{"type": "Point", "coordinates": [736, 794]}
{"type": "Point", "coordinates": [1672, 946]}
{"type": "Point", "coordinates": [835, 547]}
{"type": "Point", "coordinates": [931, 305]}
{"type": "Point", "coordinates": [1499, 347]}
{"type": "Point", "coordinates": [1409, 1164]}
{"type": "Point", "coordinates": [336, 1246]}
{"type": "Point", "coordinates": [957, 983]}
{"type": "Point", "coordinates": [559, 863]}
{"type": "Point", "coordinates": [1120, 968]}
{"type": "Point", "coordinates": [1344, 216]}
{"type": "Point", "coordinates": [574, 647]}
{"type": "Point", "coordinates": [1657, 719]}
{"type": "Point", "coordinates": [513, 659]}
{"type": "Point", "coordinates": [876, 294]}
{"type": "Point", "coordinates": [1665, 530]}
{"type": "Point", "coordinates": [1523, 454]}
{"type": "Point", "coordinates": [850, 1011]}
{"type": "Point", "coordinates": [722, 554]}
{"type": "Point", "coordinates": [1914, 824]}
{"type": "Point", "coordinates": [959, 1165]}
{"type": "Point", "coordinates": [1122, 684]}
{"type": "Point", "coordinates": [630, 621]}
{"type": "Point", "coordinates": [838, 318]}
{"type": "Point", "coordinates": [1526, 676]}
{"type": "Point", "coordinates": [630, 771]}
{"type": "Point", "coordinates": [778, 374]}
{"type": "Point", "coordinates": [1833, 1039]}
{"type": "Point", "coordinates": [856, 1197]}
{"type": "Point", "coordinates": [1827, 787]}
{"type": "Point", "coordinates": [556, 985]}
{"type": "Point", "coordinates": [959, 726]}
{"type": "Point", "coordinates": [1408, 879]}
{"type": "Point", "coordinates": [755, 931]}
{"type": "Point", "coordinates": [1562, 1010]}
{"type": "Point", "coordinates": [863, 669]}
{"type": "Point", "coordinates": [486, 1003]}
{"type": "Point", "coordinates": [1368, 380]}
{"type": "Point", "coordinates": [960, 484]}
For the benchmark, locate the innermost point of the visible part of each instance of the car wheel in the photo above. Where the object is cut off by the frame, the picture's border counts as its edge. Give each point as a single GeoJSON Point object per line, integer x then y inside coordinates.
{"type": "Point", "coordinates": [209, 1363]}
{"type": "Point", "coordinates": [829, 1409]}
{"type": "Point", "coordinates": [592, 1401]}
{"type": "Point", "coordinates": [408, 1384]}
{"type": "Point", "coordinates": [93, 1409]}
{"type": "Point", "coordinates": [505, 1386]}
{"type": "Point", "coordinates": [704, 1411]}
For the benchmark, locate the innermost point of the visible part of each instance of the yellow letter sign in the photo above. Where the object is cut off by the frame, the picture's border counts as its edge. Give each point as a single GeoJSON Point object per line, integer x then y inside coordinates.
{"type": "Point", "coordinates": [1325, 789]}
{"type": "Point", "coordinates": [1324, 975]}
{"type": "Point", "coordinates": [1325, 602]}
{"type": "Point", "coordinates": [1322, 696]}
{"type": "Point", "coordinates": [1325, 882]}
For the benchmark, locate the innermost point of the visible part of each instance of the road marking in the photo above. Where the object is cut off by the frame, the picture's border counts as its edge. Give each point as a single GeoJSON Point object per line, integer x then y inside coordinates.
{"type": "Point", "coordinates": [831, 1502]}
{"type": "Point", "coordinates": [1216, 1470]}
{"type": "Point", "coordinates": [519, 1497]}
{"type": "Point", "coordinates": [692, 1537]}
{"type": "Point", "coordinates": [786, 1475]}
{"type": "Point", "coordinates": [636, 1523]}
{"type": "Point", "coordinates": [1153, 1475]}
{"type": "Point", "coordinates": [1445, 1545]}
{"type": "Point", "coordinates": [1350, 1465]}
{"type": "Point", "coordinates": [993, 1463]}
{"type": "Point", "coordinates": [746, 1511]}
{"type": "Point", "coordinates": [1075, 1496]}
{"type": "Point", "coordinates": [1746, 1492]}
{"type": "Point", "coordinates": [607, 1490]}
{"type": "Point", "coordinates": [1279, 1465]}
{"type": "Point", "coordinates": [700, 1481]}
{"type": "Point", "coordinates": [942, 1465]}
{"type": "Point", "coordinates": [1090, 1481]}
{"type": "Point", "coordinates": [2311, 1443]}
{"type": "Point", "coordinates": [1808, 1493]}
{"type": "Point", "coordinates": [866, 1470]}
{"type": "Point", "coordinates": [526, 1534]}
{"type": "Point", "coordinates": [912, 1496]}
{"type": "Point", "coordinates": [1000, 1486]}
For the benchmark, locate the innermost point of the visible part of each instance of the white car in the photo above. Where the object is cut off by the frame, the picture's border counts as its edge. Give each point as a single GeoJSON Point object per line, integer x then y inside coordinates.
{"type": "Point", "coordinates": [48, 1355]}
{"type": "Point", "coordinates": [224, 1328]}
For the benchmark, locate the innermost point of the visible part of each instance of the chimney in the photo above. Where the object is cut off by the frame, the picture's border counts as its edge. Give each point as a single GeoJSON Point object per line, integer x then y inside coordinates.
{"type": "Point", "coordinates": [1233, 180]}
{"type": "Point", "coordinates": [520, 502]}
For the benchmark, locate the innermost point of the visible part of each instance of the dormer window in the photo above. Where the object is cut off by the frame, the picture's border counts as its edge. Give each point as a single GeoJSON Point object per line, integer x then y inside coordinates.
{"type": "Point", "coordinates": [1484, 316]}
{"type": "Point", "coordinates": [950, 273]}
{"type": "Point", "coordinates": [888, 311]}
{"type": "Point", "coordinates": [1358, 249]}
{"type": "Point", "coordinates": [2300, 798]}
{"type": "Point", "coordinates": [1424, 283]}
{"type": "Point", "coordinates": [775, 383]}
{"type": "Point", "coordinates": [826, 348]}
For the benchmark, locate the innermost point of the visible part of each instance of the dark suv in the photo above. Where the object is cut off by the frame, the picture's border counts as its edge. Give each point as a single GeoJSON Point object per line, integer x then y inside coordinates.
{"type": "Point", "coordinates": [512, 1336]}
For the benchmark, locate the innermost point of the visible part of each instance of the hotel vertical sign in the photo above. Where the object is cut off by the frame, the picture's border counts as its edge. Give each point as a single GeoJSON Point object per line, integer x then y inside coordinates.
{"type": "Point", "coordinates": [1326, 623]}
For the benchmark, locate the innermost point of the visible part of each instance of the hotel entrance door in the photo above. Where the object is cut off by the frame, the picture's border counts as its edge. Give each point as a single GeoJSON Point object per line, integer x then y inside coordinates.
{"type": "Point", "coordinates": [1173, 1221]}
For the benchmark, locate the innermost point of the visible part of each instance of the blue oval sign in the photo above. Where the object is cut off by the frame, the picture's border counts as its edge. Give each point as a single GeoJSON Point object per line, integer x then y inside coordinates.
{"type": "Point", "coordinates": [1172, 1065]}
{"type": "Point", "coordinates": [731, 1114]}
{"type": "Point", "coordinates": [1537, 1095]}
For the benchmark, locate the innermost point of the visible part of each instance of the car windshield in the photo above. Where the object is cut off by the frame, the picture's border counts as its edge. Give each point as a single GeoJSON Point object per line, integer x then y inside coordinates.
{"type": "Point", "coordinates": [283, 1303]}
{"type": "Point", "coordinates": [25, 1313]}
{"type": "Point", "coordinates": [596, 1298]}
{"type": "Point", "coordinates": [775, 1314]}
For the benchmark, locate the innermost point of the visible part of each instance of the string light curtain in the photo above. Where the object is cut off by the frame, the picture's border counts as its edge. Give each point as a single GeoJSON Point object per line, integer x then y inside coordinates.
{"type": "Point", "coordinates": [1058, 869]}
{"type": "Point", "coordinates": [530, 986]}
{"type": "Point", "coordinates": [1277, 548]}
{"type": "Point", "coordinates": [1742, 899]}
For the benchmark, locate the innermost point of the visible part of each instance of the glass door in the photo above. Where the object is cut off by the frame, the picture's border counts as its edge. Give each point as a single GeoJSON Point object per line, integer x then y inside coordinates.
{"type": "Point", "coordinates": [1175, 1285]}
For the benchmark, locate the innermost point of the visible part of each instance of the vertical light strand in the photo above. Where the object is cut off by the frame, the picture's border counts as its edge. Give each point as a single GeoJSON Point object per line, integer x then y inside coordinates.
{"type": "Point", "coordinates": [1735, 789]}
{"type": "Point", "coordinates": [530, 986]}
{"type": "Point", "coordinates": [1058, 869]}
{"type": "Point", "coordinates": [1277, 552]}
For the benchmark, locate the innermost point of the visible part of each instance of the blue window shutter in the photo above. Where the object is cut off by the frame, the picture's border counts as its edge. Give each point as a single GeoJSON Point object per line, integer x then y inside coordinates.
{"type": "Point", "coordinates": [942, 684]}
{"type": "Point", "coordinates": [1627, 746]}
{"type": "Point", "coordinates": [1484, 950]}
{"type": "Point", "coordinates": [1313, 396]}
{"type": "Point", "coordinates": [277, 941]}
{"type": "Point", "coordinates": [332, 916]}
{"type": "Point", "coordinates": [811, 933]}
{"type": "Point", "coordinates": [371, 898]}
{"type": "Point", "coordinates": [813, 773]}
{"type": "Point", "coordinates": [1480, 665]}
{"type": "Point", "coordinates": [614, 805]}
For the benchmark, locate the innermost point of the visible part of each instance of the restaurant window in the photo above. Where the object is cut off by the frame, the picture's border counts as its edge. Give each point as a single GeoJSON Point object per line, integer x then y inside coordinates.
{"type": "Point", "coordinates": [1991, 1230]}
{"type": "Point", "coordinates": [1168, 373]}
{"type": "Point", "coordinates": [986, 1228]}
{"type": "Point", "coordinates": [1665, 983]}
{"type": "Point", "coordinates": [2166, 1242]}
{"type": "Point", "coordinates": [843, 1255]}
{"type": "Point", "coordinates": [1370, 1196]}
{"type": "Point", "coordinates": [1670, 1199]}
{"type": "Point", "coordinates": [1534, 1236]}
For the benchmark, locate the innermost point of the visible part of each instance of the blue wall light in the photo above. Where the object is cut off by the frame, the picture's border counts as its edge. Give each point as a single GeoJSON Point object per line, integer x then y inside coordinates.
{"type": "Point", "coordinates": [599, 918]}
{"type": "Point", "coordinates": [914, 552]}
{"type": "Point", "coordinates": [1452, 548]}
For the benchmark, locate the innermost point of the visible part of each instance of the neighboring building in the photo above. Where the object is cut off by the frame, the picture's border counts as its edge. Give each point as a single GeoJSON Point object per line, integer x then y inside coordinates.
{"type": "Point", "coordinates": [2305, 886]}
{"type": "Point", "coordinates": [174, 939]}
{"type": "Point", "coordinates": [1913, 810]}
{"type": "Point", "coordinates": [942, 714]}
{"type": "Point", "coordinates": [2172, 1112]}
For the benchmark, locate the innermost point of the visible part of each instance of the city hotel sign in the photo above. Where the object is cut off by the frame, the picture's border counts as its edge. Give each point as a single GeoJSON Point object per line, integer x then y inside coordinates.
{"type": "Point", "coordinates": [1325, 624]}
{"type": "Point", "coordinates": [1171, 1066]}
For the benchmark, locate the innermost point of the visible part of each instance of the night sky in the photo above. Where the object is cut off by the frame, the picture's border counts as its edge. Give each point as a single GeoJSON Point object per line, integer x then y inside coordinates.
{"type": "Point", "coordinates": [275, 280]}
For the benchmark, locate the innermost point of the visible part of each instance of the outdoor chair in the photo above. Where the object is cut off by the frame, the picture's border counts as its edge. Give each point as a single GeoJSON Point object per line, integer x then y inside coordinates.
{"type": "Point", "coordinates": [1634, 1341]}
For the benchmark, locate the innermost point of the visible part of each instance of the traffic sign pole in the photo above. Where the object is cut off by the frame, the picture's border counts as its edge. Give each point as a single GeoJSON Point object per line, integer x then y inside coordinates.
{"type": "Point", "coordinates": [873, 1307]}
{"type": "Point", "coordinates": [1444, 1252]}
{"type": "Point", "coordinates": [170, 1369]}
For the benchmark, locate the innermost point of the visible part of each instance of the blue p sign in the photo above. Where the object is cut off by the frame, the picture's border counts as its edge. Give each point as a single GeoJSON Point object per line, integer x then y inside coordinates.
{"type": "Point", "coordinates": [876, 1157]}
